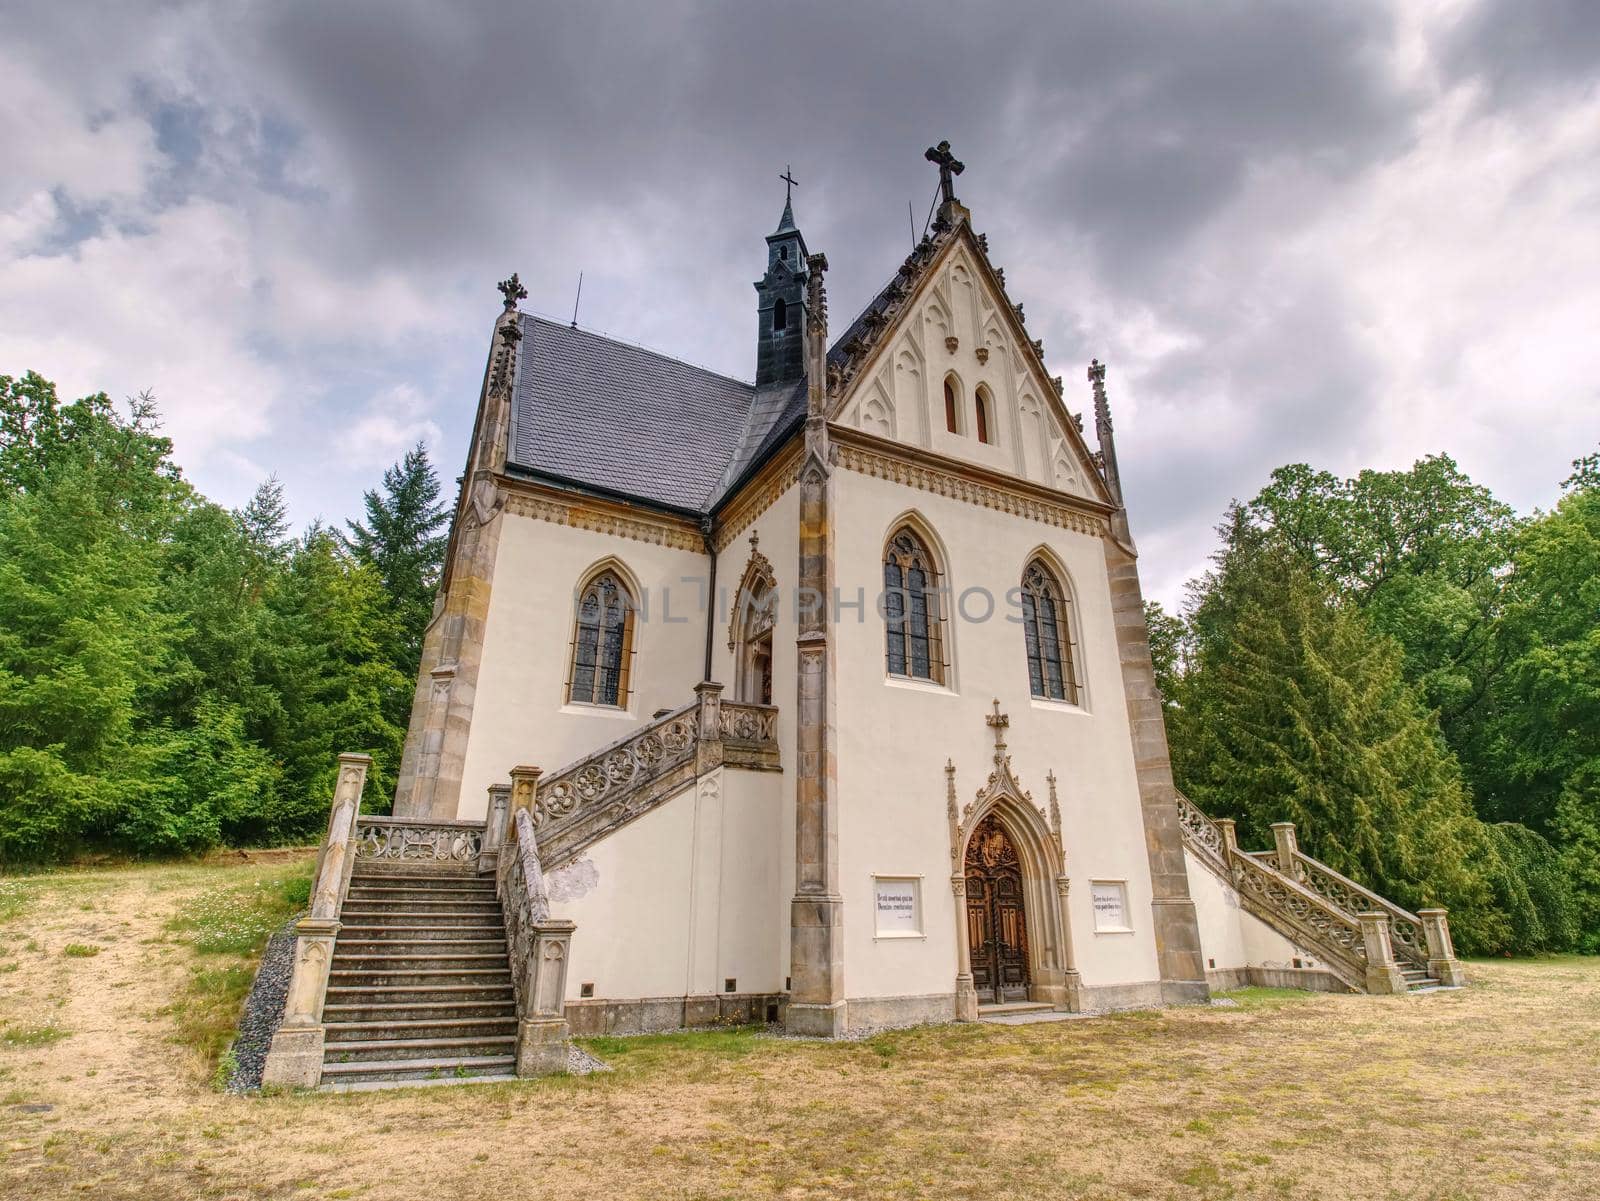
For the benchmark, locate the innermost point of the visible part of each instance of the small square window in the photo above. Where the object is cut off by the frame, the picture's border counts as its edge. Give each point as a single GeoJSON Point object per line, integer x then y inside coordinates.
{"type": "Point", "coordinates": [586, 989]}
{"type": "Point", "coordinates": [730, 985]}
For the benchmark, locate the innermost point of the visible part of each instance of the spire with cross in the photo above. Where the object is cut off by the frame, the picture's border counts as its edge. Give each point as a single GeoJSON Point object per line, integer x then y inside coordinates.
{"type": "Point", "coordinates": [949, 167]}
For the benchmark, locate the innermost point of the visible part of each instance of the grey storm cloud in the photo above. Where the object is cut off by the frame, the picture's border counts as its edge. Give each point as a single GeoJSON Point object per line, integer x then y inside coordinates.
{"type": "Point", "coordinates": [1215, 198]}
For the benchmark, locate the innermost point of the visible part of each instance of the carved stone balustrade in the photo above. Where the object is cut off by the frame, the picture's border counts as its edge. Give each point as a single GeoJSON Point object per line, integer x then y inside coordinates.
{"type": "Point", "coordinates": [417, 841]}
{"type": "Point", "coordinates": [750, 736]}
{"type": "Point", "coordinates": [294, 1059]}
{"type": "Point", "coordinates": [538, 949]}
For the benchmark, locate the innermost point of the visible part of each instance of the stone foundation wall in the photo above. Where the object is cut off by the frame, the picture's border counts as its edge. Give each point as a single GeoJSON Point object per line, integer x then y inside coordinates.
{"type": "Point", "coordinates": [1308, 979]}
{"type": "Point", "coordinates": [655, 1015]}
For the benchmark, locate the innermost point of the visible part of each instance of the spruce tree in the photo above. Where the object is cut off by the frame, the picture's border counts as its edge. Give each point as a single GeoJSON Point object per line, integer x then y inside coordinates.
{"type": "Point", "coordinates": [402, 540]}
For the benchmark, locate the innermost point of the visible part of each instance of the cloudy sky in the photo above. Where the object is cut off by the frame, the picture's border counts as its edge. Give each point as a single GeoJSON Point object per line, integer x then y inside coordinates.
{"type": "Point", "coordinates": [1348, 233]}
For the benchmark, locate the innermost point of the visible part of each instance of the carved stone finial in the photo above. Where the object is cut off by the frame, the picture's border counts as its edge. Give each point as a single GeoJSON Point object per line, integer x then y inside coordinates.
{"type": "Point", "coordinates": [755, 539]}
{"type": "Point", "coordinates": [512, 290]}
{"type": "Point", "coordinates": [1055, 807]}
{"type": "Point", "coordinates": [999, 722]}
{"type": "Point", "coordinates": [510, 334]}
{"type": "Point", "coordinates": [816, 293]}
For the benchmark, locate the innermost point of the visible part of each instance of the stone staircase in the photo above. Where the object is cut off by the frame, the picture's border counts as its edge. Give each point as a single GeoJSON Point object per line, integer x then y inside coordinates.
{"type": "Point", "coordinates": [1366, 941]}
{"type": "Point", "coordinates": [419, 986]}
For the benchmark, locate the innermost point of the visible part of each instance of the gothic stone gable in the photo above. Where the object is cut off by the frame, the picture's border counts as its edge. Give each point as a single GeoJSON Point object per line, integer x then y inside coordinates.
{"type": "Point", "coordinates": [959, 326]}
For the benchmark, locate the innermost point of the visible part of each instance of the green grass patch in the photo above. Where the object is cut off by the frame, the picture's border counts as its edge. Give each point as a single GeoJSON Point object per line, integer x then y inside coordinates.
{"type": "Point", "coordinates": [80, 950]}
{"type": "Point", "coordinates": [654, 1050]}
{"type": "Point", "coordinates": [17, 1035]}
{"type": "Point", "coordinates": [228, 927]}
{"type": "Point", "coordinates": [1264, 998]}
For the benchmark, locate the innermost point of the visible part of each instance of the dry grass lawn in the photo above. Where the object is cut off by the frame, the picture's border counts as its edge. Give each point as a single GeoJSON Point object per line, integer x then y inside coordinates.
{"type": "Point", "coordinates": [105, 1091]}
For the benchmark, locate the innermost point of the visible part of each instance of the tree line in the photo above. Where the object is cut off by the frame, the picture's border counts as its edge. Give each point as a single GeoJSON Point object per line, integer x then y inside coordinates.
{"type": "Point", "coordinates": [1410, 672]}
{"type": "Point", "coordinates": [175, 675]}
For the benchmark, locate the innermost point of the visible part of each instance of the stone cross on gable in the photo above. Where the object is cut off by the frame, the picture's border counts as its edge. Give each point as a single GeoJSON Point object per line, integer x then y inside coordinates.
{"type": "Point", "coordinates": [949, 167]}
{"type": "Point", "coordinates": [999, 722]}
{"type": "Point", "coordinates": [512, 290]}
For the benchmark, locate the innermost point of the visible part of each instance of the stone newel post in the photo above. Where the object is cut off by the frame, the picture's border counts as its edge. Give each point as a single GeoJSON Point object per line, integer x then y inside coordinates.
{"type": "Point", "coordinates": [295, 1058]}
{"type": "Point", "coordinates": [1287, 848]}
{"type": "Point", "coordinates": [494, 828]}
{"type": "Point", "coordinates": [708, 747]}
{"type": "Point", "coordinates": [542, 1029]}
{"type": "Point", "coordinates": [1230, 837]}
{"type": "Point", "coordinates": [524, 789]}
{"type": "Point", "coordinates": [1383, 976]}
{"type": "Point", "coordinates": [1442, 961]}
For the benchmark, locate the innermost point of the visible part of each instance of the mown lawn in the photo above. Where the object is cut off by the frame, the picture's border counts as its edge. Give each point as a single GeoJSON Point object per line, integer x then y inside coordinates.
{"type": "Point", "coordinates": [1485, 1093]}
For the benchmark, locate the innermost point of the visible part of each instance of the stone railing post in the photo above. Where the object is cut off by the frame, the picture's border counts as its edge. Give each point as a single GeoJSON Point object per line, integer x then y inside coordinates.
{"type": "Point", "coordinates": [542, 1028]}
{"type": "Point", "coordinates": [1288, 848]}
{"type": "Point", "coordinates": [494, 828]}
{"type": "Point", "coordinates": [1442, 962]}
{"type": "Point", "coordinates": [708, 743]}
{"type": "Point", "coordinates": [524, 790]}
{"type": "Point", "coordinates": [1230, 836]}
{"type": "Point", "coordinates": [294, 1060]}
{"type": "Point", "coordinates": [1383, 976]}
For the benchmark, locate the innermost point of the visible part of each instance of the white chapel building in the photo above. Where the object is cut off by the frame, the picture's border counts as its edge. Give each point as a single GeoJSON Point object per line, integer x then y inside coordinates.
{"type": "Point", "coordinates": [829, 694]}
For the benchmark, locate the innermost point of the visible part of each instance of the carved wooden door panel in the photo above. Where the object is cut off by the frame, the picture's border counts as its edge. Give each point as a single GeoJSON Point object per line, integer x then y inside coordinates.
{"type": "Point", "coordinates": [997, 931]}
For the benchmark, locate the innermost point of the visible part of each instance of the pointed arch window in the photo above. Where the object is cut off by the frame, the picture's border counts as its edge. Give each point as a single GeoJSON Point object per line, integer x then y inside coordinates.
{"type": "Point", "coordinates": [780, 314]}
{"type": "Point", "coordinates": [1047, 637]}
{"type": "Point", "coordinates": [602, 643]}
{"type": "Point", "coordinates": [950, 406]}
{"type": "Point", "coordinates": [914, 626]}
{"type": "Point", "coordinates": [983, 408]}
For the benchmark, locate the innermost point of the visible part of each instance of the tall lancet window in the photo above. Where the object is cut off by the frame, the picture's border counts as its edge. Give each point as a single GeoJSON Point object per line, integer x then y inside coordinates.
{"type": "Point", "coordinates": [984, 411]}
{"type": "Point", "coordinates": [780, 311]}
{"type": "Point", "coordinates": [913, 623]}
{"type": "Point", "coordinates": [950, 406]}
{"type": "Point", "coordinates": [602, 643]}
{"type": "Point", "coordinates": [1047, 636]}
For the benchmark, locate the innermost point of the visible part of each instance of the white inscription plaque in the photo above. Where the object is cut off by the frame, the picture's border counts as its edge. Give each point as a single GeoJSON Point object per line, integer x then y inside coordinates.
{"type": "Point", "coordinates": [899, 906]}
{"type": "Point", "coordinates": [1110, 904]}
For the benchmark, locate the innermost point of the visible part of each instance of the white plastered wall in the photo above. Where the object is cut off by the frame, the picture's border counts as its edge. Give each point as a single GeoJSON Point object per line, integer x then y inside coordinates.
{"type": "Point", "coordinates": [895, 736]}
{"type": "Point", "coordinates": [681, 900]}
{"type": "Point", "coordinates": [519, 714]}
{"type": "Point", "coordinates": [1230, 937]}
{"type": "Point", "coordinates": [777, 533]}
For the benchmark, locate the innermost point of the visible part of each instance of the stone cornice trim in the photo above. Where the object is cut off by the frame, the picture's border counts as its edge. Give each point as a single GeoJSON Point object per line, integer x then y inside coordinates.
{"type": "Point", "coordinates": [600, 516]}
{"type": "Point", "coordinates": [928, 472]}
{"type": "Point", "coordinates": [758, 495]}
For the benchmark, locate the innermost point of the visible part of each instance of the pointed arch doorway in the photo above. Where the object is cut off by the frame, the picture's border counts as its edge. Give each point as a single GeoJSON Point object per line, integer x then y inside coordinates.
{"type": "Point", "coordinates": [997, 924]}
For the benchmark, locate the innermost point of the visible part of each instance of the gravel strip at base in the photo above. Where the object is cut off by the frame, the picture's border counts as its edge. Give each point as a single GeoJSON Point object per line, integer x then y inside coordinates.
{"type": "Point", "coordinates": [263, 1010]}
{"type": "Point", "coordinates": [581, 1063]}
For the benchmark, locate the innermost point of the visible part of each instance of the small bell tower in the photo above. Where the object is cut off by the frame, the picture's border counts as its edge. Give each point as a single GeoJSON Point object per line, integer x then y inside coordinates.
{"type": "Point", "coordinates": [780, 303]}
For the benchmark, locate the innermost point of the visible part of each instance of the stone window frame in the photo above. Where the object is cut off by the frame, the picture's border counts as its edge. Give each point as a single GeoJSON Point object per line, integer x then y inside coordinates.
{"type": "Point", "coordinates": [941, 672]}
{"type": "Point", "coordinates": [1067, 642]}
{"type": "Point", "coordinates": [627, 587]}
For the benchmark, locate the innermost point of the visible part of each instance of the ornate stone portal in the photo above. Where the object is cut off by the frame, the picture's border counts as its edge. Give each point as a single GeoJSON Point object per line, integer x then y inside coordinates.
{"type": "Point", "coordinates": [1042, 927]}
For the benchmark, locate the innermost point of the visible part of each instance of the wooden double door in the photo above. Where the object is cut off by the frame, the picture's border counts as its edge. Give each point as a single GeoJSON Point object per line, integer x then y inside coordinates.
{"type": "Point", "coordinates": [997, 928]}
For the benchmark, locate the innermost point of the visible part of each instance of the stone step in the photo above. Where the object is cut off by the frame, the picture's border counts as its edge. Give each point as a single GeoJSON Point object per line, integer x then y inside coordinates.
{"type": "Point", "coordinates": [371, 1010]}
{"type": "Point", "coordinates": [363, 916]}
{"type": "Point", "coordinates": [345, 1033]}
{"type": "Point", "coordinates": [372, 931]}
{"type": "Point", "coordinates": [407, 961]}
{"type": "Point", "coordinates": [336, 1076]}
{"type": "Point", "coordinates": [480, 976]}
{"type": "Point", "coordinates": [385, 893]}
{"type": "Point", "coordinates": [1014, 1007]}
{"type": "Point", "coordinates": [359, 948]}
{"type": "Point", "coordinates": [409, 876]}
{"type": "Point", "coordinates": [378, 1049]}
{"type": "Point", "coordinates": [421, 994]}
{"type": "Point", "coordinates": [354, 910]}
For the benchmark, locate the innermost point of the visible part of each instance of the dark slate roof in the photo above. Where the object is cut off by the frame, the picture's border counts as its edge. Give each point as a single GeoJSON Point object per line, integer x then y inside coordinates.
{"type": "Point", "coordinates": [623, 419]}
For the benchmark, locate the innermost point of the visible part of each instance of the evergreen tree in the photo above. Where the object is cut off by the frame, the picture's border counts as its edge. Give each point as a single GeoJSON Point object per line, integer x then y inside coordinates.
{"type": "Point", "coordinates": [1297, 710]}
{"type": "Point", "coordinates": [402, 541]}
